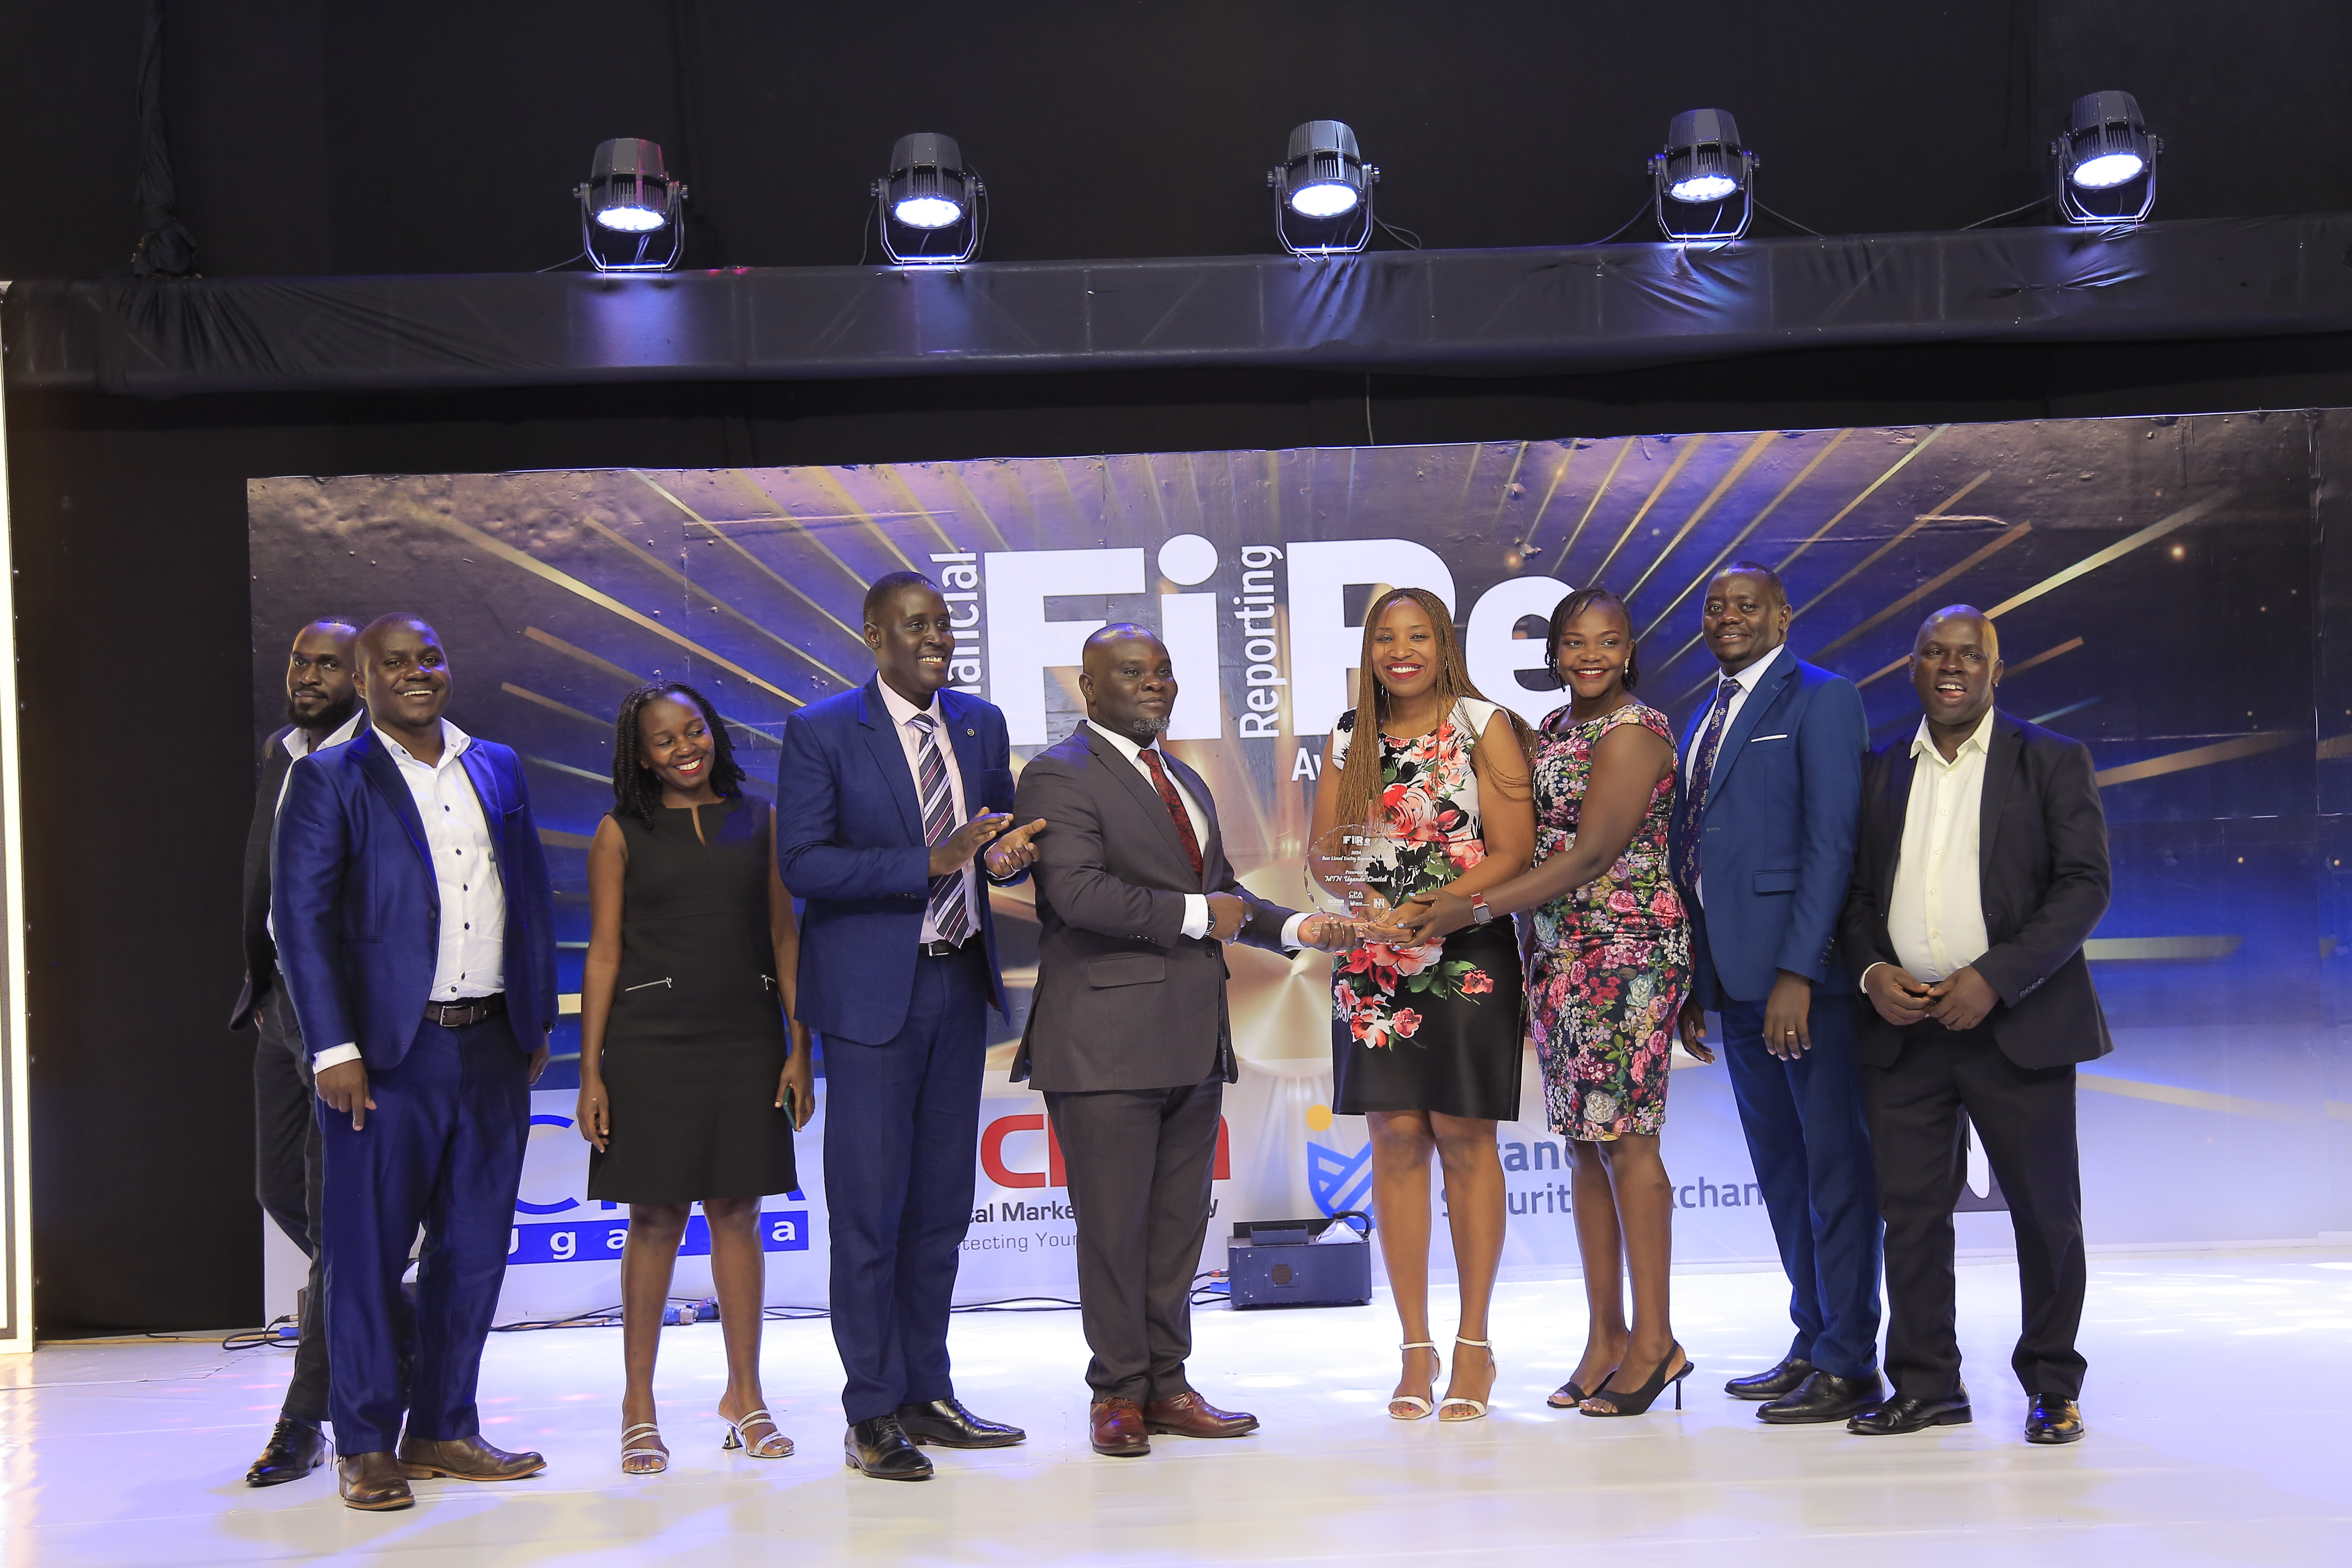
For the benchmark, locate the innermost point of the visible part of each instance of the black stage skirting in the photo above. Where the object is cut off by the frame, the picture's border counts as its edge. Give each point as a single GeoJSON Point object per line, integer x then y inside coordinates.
{"type": "Point", "coordinates": [1490, 312]}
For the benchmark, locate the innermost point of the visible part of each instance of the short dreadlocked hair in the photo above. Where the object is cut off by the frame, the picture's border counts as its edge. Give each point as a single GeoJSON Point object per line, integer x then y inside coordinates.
{"type": "Point", "coordinates": [635, 791]}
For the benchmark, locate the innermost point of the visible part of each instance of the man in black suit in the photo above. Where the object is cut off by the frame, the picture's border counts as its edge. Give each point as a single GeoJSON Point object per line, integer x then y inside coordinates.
{"type": "Point", "coordinates": [1982, 869]}
{"type": "Point", "coordinates": [1128, 1034]}
{"type": "Point", "coordinates": [322, 709]}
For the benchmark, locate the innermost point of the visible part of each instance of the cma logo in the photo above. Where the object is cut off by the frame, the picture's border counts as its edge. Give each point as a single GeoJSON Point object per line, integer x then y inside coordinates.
{"type": "Point", "coordinates": [994, 1158]}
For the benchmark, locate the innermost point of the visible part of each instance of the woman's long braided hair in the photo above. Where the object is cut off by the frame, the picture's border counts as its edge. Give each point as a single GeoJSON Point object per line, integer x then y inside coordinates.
{"type": "Point", "coordinates": [1359, 775]}
{"type": "Point", "coordinates": [636, 792]}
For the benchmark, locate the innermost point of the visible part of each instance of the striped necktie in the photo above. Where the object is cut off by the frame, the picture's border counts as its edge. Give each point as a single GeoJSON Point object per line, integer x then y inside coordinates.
{"type": "Point", "coordinates": [950, 908]}
{"type": "Point", "coordinates": [1702, 772]}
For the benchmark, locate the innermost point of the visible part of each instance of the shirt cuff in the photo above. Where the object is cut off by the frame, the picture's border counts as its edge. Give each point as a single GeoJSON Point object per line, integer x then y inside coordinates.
{"type": "Point", "coordinates": [333, 1057]}
{"type": "Point", "coordinates": [1290, 930]}
{"type": "Point", "coordinates": [1863, 985]}
{"type": "Point", "coordinates": [1196, 915]}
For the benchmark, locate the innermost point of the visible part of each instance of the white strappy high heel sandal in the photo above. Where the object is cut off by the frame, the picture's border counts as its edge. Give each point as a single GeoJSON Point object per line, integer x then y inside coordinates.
{"type": "Point", "coordinates": [660, 1456]}
{"type": "Point", "coordinates": [1422, 1407]}
{"type": "Point", "coordinates": [1476, 1407]}
{"type": "Point", "coordinates": [775, 1445]}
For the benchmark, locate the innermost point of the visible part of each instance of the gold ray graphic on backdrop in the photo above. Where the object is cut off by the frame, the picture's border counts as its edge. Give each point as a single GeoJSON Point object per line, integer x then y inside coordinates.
{"type": "Point", "coordinates": [1746, 461]}
{"type": "Point", "coordinates": [1691, 445]}
{"type": "Point", "coordinates": [2199, 757]}
{"type": "Point", "coordinates": [719, 533]}
{"type": "Point", "coordinates": [597, 596]}
{"type": "Point", "coordinates": [1706, 573]}
{"type": "Point", "coordinates": [702, 592]}
{"type": "Point", "coordinates": [1924, 589]}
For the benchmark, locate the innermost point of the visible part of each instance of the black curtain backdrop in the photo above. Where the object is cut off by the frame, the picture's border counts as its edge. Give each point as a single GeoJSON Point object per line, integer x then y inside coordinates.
{"type": "Point", "coordinates": [310, 138]}
{"type": "Point", "coordinates": [313, 137]}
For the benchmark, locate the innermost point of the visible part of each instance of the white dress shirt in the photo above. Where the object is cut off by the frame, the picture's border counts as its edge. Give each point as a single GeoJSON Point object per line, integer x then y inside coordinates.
{"type": "Point", "coordinates": [1196, 905]}
{"type": "Point", "coordinates": [910, 740]}
{"type": "Point", "coordinates": [1935, 916]}
{"type": "Point", "coordinates": [298, 744]}
{"type": "Point", "coordinates": [1746, 680]}
{"type": "Point", "coordinates": [470, 960]}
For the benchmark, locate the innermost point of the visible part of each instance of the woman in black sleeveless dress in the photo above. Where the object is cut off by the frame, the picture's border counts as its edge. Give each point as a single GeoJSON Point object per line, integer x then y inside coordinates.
{"type": "Point", "coordinates": [690, 1086]}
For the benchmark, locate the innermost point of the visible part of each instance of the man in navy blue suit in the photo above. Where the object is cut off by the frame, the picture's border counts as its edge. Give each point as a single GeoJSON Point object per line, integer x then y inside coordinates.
{"type": "Point", "coordinates": [1764, 846]}
{"type": "Point", "coordinates": [886, 800]}
{"type": "Point", "coordinates": [414, 924]}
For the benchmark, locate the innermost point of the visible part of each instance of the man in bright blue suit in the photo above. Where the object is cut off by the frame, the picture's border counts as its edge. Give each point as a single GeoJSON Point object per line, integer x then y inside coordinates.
{"type": "Point", "coordinates": [414, 924]}
{"type": "Point", "coordinates": [887, 799]}
{"type": "Point", "coordinates": [1765, 824]}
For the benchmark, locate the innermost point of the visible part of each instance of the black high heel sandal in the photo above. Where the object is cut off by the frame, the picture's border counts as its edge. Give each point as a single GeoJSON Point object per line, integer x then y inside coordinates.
{"type": "Point", "coordinates": [1637, 1402]}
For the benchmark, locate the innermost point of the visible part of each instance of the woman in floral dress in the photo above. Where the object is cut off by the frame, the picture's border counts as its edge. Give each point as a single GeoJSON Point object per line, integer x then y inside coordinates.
{"type": "Point", "coordinates": [1427, 1040]}
{"type": "Point", "coordinates": [1610, 964]}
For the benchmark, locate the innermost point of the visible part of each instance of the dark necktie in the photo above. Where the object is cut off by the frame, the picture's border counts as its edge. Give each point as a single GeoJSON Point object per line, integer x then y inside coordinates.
{"type": "Point", "coordinates": [1175, 805]}
{"type": "Point", "coordinates": [1710, 742]}
{"type": "Point", "coordinates": [950, 909]}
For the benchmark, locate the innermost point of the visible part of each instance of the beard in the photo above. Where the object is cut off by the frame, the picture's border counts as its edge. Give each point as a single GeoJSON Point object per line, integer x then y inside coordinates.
{"type": "Point", "coordinates": [1145, 727]}
{"type": "Point", "coordinates": [327, 720]}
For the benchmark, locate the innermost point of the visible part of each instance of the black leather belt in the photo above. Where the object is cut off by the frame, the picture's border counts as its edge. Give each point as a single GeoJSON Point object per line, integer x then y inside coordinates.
{"type": "Point", "coordinates": [458, 1015]}
{"type": "Point", "coordinates": [941, 949]}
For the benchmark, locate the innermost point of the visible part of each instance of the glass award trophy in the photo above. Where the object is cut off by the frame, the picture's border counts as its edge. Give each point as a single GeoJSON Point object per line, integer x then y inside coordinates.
{"type": "Point", "coordinates": [1357, 871]}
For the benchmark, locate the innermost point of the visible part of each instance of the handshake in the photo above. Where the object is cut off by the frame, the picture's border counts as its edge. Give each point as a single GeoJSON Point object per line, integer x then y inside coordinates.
{"type": "Point", "coordinates": [1228, 913]}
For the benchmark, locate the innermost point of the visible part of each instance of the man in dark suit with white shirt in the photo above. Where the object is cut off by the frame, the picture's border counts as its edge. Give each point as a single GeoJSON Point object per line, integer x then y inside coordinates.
{"type": "Point", "coordinates": [1127, 1035]}
{"type": "Point", "coordinates": [1983, 868]}
{"type": "Point", "coordinates": [322, 709]}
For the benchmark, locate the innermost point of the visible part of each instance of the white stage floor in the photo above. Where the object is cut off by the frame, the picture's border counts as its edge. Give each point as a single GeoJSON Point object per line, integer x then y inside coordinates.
{"type": "Point", "coordinates": [2218, 1401]}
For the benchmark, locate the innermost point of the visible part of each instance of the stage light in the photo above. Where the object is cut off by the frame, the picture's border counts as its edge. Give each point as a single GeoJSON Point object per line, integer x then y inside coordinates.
{"type": "Point", "coordinates": [930, 194]}
{"type": "Point", "coordinates": [1703, 167]}
{"type": "Point", "coordinates": [1325, 182]}
{"type": "Point", "coordinates": [2106, 148]}
{"type": "Point", "coordinates": [630, 193]}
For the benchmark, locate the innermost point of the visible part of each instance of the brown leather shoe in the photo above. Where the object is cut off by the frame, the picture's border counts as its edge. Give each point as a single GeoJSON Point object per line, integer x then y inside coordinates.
{"type": "Point", "coordinates": [1189, 1416]}
{"type": "Point", "coordinates": [1117, 1429]}
{"type": "Point", "coordinates": [372, 1481]}
{"type": "Point", "coordinates": [464, 1459]}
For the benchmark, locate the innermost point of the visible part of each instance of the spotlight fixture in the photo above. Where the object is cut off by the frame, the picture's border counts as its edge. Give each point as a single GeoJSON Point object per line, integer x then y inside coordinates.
{"type": "Point", "coordinates": [1702, 169]}
{"type": "Point", "coordinates": [1323, 187]}
{"type": "Point", "coordinates": [2107, 161]}
{"type": "Point", "coordinates": [630, 197]}
{"type": "Point", "coordinates": [931, 210]}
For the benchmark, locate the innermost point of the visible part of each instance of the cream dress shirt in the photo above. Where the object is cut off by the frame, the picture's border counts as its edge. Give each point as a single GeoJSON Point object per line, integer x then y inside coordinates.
{"type": "Point", "coordinates": [1935, 915]}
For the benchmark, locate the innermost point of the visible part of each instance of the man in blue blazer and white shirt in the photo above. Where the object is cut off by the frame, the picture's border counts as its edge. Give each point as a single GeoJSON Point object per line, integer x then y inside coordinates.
{"type": "Point", "coordinates": [1764, 844]}
{"type": "Point", "coordinates": [886, 798]}
{"type": "Point", "coordinates": [413, 920]}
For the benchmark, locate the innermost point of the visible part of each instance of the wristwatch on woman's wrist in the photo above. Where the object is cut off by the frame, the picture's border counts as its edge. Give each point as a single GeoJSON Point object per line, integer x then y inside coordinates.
{"type": "Point", "coordinates": [1479, 909]}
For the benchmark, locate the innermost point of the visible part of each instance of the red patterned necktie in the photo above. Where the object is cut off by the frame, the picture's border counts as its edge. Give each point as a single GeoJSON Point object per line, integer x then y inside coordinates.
{"type": "Point", "coordinates": [1175, 805]}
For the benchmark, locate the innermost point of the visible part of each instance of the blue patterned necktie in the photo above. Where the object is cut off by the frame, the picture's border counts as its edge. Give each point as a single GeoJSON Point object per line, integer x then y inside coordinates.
{"type": "Point", "coordinates": [1710, 742]}
{"type": "Point", "coordinates": [950, 910]}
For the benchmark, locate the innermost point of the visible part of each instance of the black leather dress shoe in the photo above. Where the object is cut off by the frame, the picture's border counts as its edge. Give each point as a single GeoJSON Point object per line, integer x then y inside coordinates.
{"type": "Point", "coordinates": [296, 1448]}
{"type": "Point", "coordinates": [1909, 1413]}
{"type": "Point", "coordinates": [881, 1449]}
{"type": "Point", "coordinates": [947, 1423]}
{"type": "Point", "coordinates": [2054, 1418]}
{"type": "Point", "coordinates": [1777, 1384]}
{"type": "Point", "coordinates": [1824, 1397]}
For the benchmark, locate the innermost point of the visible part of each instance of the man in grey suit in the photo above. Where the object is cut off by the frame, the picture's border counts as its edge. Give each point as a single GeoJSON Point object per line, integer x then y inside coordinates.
{"type": "Point", "coordinates": [1128, 1034]}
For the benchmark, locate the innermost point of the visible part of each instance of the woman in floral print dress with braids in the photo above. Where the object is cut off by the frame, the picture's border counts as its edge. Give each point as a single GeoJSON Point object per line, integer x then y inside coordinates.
{"type": "Point", "coordinates": [1427, 1039]}
{"type": "Point", "coordinates": [1610, 965]}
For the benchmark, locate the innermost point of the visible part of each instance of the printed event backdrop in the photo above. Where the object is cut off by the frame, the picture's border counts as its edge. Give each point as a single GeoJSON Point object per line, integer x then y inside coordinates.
{"type": "Point", "coordinates": [2161, 587]}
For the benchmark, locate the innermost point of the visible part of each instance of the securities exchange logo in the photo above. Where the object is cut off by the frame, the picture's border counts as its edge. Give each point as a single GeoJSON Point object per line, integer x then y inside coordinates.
{"type": "Point", "coordinates": [1335, 1181]}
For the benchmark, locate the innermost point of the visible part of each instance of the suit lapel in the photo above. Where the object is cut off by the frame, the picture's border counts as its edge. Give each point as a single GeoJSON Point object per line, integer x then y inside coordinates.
{"type": "Point", "coordinates": [1212, 853]}
{"type": "Point", "coordinates": [1131, 779]}
{"type": "Point", "coordinates": [962, 737]}
{"type": "Point", "coordinates": [1900, 768]}
{"type": "Point", "coordinates": [889, 755]}
{"type": "Point", "coordinates": [383, 775]}
{"type": "Point", "coordinates": [2002, 748]}
{"type": "Point", "coordinates": [1743, 723]}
